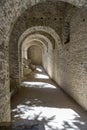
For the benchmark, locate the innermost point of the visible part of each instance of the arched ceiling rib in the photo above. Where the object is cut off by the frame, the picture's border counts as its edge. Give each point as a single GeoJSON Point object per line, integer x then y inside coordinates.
{"type": "Point", "coordinates": [46, 32]}
{"type": "Point", "coordinates": [38, 37]}
{"type": "Point", "coordinates": [32, 43]}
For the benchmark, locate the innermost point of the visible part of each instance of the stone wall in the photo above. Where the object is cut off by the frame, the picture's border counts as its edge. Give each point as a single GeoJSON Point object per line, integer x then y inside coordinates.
{"type": "Point", "coordinates": [74, 65]}
{"type": "Point", "coordinates": [71, 62]}
{"type": "Point", "coordinates": [35, 16]}
{"type": "Point", "coordinates": [35, 54]}
{"type": "Point", "coordinates": [70, 66]}
{"type": "Point", "coordinates": [9, 12]}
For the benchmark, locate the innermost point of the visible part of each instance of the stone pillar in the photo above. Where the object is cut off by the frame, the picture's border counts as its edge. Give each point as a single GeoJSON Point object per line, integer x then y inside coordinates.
{"type": "Point", "coordinates": [4, 87]}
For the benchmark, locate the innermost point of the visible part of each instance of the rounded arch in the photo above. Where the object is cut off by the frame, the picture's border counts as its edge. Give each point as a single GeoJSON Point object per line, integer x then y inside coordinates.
{"type": "Point", "coordinates": [53, 36]}
{"type": "Point", "coordinates": [7, 22]}
{"type": "Point", "coordinates": [19, 27]}
{"type": "Point", "coordinates": [32, 55]}
{"type": "Point", "coordinates": [36, 58]}
{"type": "Point", "coordinates": [24, 49]}
{"type": "Point", "coordinates": [31, 34]}
{"type": "Point", "coordinates": [32, 43]}
{"type": "Point", "coordinates": [77, 3]}
{"type": "Point", "coordinates": [43, 39]}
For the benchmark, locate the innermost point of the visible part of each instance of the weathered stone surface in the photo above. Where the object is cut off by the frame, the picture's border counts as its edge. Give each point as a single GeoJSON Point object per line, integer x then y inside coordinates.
{"type": "Point", "coordinates": [67, 64]}
{"type": "Point", "coordinates": [23, 125]}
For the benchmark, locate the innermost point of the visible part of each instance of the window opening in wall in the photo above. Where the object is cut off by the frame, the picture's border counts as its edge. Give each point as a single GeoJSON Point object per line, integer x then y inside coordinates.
{"type": "Point", "coordinates": [55, 19]}
{"type": "Point", "coordinates": [41, 18]}
{"type": "Point", "coordinates": [83, 20]}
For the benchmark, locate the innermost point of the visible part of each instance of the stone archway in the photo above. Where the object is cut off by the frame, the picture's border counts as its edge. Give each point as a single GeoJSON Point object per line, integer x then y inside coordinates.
{"type": "Point", "coordinates": [11, 11]}
{"type": "Point", "coordinates": [29, 36]}
{"type": "Point", "coordinates": [36, 58]}
{"type": "Point", "coordinates": [24, 53]}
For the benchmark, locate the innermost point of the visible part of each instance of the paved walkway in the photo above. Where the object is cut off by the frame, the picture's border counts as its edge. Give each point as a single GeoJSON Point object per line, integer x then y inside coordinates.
{"type": "Point", "coordinates": [40, 99]}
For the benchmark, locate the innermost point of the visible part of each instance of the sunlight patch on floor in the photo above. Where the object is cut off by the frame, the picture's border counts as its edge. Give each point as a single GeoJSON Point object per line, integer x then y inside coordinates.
{"type": "Point", "coordinates": [38, 69]}
{"type": "Point", "coordinates": [38, 85]}
{"type": "Point", "coordinates": [41, 76]}
{"type": "Point", "coordinates": [53, 118]}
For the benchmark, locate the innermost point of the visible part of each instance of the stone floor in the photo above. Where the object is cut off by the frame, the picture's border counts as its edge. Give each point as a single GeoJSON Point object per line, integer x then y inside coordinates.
{"type": "Point", "coordinates": [23, 125]}
{"type": "Point", "coordinates": [40, 99]}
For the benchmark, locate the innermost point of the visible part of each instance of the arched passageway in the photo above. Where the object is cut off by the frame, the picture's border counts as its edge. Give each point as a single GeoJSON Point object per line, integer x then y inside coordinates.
{"type": "Point", "coordinates": [59, 29]}
{"type": "Point", "coordinates": [35, 57]}
{"type": "Point", "coordinates": [30, 58]}
{"type": "Point", "coordinates": [48, 39]}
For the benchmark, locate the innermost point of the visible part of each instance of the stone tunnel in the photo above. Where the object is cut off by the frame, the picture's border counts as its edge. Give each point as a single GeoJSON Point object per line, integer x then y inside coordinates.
{"type": "Point", "coordinates": [52, 33]}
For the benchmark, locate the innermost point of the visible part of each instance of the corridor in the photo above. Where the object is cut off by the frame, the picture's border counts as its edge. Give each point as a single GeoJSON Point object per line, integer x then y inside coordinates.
{"type": "Point", "coordinates": [39, 98]}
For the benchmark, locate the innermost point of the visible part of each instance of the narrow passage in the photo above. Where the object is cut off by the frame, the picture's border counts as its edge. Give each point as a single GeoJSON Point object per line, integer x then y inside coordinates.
{"type": "Point", "coordinates": [41, 99]}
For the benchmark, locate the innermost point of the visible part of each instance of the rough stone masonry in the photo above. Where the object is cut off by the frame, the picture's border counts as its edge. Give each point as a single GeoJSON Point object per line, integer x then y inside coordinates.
{"type": "Point", "coordinates": [59, 28]}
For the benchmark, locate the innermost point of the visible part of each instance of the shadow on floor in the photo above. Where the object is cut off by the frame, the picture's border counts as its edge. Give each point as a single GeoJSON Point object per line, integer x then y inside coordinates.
{"type": "Point", "coordinates": [44, 101]}
{"type": "Point", "coordinates": [23, 125]}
